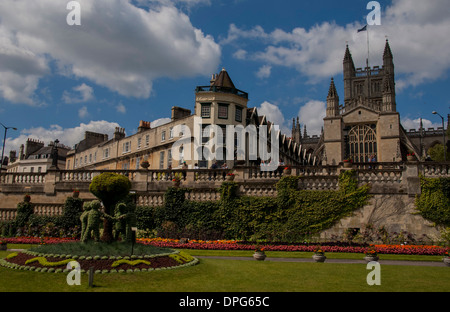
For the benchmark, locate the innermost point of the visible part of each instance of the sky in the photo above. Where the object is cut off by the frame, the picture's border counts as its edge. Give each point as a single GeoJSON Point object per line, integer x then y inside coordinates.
{"type": "Point", "coordinates": [67, 68]}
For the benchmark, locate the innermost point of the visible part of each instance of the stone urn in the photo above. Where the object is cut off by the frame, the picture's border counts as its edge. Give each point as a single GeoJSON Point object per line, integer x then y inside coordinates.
{"type": "Point", "coordinates": [287, 171]}
{"type": "Point", "coordinates": [259, 255]}
{"type": "Point", "coordinates": [76, 194]}
{"type": "Point", "coordinates": [348, 164]}
{"type": "Point", "coordinates": [230, 177]}
{"type": "Point", "coordinates": [371, 258]}
{"type": "Point", "coordinates": [410, 158]}
{"type": "Point", "coordinates": [319, 257]}
{"type": "Point", "coordinates": [446, 261]}
{"type": "Point", "coordinates": [176, 183]}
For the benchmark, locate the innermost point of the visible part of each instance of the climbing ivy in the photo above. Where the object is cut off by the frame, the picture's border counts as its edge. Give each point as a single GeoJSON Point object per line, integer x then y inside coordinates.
{"type": "Point", "coordinates": [289, 216]}
{"type": "Point", "coordinates": [434, 201]}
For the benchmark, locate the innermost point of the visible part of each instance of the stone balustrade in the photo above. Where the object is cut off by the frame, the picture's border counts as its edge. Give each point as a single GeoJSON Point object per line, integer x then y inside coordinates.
{"type": "Point", "coordinates": [51, 188]}
{"type": "Point", "coordinates": [7, 214]}
{"type": "Point", "coordinates": [433, 170]}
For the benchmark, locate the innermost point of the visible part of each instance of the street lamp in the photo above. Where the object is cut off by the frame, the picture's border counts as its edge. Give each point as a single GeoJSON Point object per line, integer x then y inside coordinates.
{"type": "Point", "coordinates": [443, 135]}
{"type": "Point", "coordinates": [4, 141]}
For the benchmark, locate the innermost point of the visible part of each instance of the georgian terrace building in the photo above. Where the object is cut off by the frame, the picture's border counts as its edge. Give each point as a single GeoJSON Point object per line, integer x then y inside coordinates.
{"type": "Point", "coordinates": [219, 103]}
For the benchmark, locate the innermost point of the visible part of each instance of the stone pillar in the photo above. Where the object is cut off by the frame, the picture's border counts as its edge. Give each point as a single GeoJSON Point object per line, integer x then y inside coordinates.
{"type": "Point", "coordinates": [190, 176]}
{"type": "Point", "coordinates": [141, 181]}
{"type": "Point", "coordinates": [411, 178]}
{"type": "Point", "coordinates": [240, 174]}
{"type": "Point", "coordinates": [51, 178]}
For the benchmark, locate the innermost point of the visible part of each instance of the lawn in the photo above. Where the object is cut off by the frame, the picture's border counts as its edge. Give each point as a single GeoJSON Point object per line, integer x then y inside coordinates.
{"type": "Point", "coordinates": [217, 275]}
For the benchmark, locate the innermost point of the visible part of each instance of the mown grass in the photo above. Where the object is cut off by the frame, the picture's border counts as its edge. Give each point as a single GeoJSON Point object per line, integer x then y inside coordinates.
{"type": "Point", "coordinates": [217, 275]}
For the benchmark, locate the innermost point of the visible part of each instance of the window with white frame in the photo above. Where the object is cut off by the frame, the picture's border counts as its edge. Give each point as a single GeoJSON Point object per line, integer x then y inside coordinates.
{"type": "Point", "coordinates": [139, 142]}
{"type": "Point", "coordinates": [161, 160]}
{"type": "Point", "coordinates": [147, 140]}
{"type": "Point", "coordinates": [206, 110]}
{"type": "Point", "coordinates": [126, 147]}
{"type": "Point", "coordinates": [171, 133]}
{"type": "Point", "coordinates": [169, 157]}
{"type": "Point", "coordinates": [163, 136]}
{"type": "Point", "coordinates": [238, 115]}
{"type": "Point", "coordinates": [138, 161]}
{"type": "Point", "coordinates": [106, 153]}
{"type": "Point", "coordinates": [223, 111]}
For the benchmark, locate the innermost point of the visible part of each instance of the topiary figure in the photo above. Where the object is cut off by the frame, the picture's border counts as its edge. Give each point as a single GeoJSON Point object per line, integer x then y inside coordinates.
{"type": "Point", "coordinates": [120, 225]}
{"type": "Point", "coordinates": [24, 211]}
{"type": "Point", "coordinates": [94, 217]}
{"type": "Point", "coordinates": [110, 188]}
{"type": "Point", "coordinates": [131, 221]}
{"type": "Point", "coordinates": [84, 218]}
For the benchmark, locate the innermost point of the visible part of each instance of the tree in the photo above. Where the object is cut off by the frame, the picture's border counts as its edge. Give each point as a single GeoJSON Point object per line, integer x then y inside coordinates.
{"type": "Point", "coordinates": [437, 153]}
{"type": "Point", "coordinates": [110, 188]}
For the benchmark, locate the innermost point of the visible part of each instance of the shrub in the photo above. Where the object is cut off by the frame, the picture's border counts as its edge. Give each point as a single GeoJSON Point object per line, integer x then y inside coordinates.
{"type": "Point", "coordinates": [72, 210]}
{"type": "Point", "coordinates": [434, 201]}
{"type": "Point", "coordinates": [24, 211]}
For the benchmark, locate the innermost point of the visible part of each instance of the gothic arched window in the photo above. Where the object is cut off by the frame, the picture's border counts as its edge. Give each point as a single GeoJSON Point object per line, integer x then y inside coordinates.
{"type": "Point", "coordinates": [362, 143]}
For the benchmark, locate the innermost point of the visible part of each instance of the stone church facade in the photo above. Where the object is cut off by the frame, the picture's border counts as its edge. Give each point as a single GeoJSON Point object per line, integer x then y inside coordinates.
{"type": "Point", "coordinates": [366, 127]}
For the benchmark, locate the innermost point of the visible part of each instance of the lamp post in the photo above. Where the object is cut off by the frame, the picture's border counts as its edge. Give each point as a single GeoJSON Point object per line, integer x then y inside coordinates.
{"type": "Point", "coordinates": [443, 135]}
{"type": "Point", "coordinates": [4, 141]}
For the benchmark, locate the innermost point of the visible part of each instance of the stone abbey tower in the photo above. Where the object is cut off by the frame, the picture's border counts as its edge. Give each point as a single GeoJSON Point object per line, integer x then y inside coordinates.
{"type": "Point", "coordinates": [367, 125]}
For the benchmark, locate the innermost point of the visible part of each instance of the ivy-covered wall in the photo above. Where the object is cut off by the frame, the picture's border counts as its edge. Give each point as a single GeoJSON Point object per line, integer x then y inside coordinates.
{"type": "Point", "coordinates": [288, 217]}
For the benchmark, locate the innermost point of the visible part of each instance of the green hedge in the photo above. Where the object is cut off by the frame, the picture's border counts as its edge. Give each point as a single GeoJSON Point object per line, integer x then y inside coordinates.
{"type": "Point", "coordinates": [290, 216]}
{"type": "Point", "coordinates": [434, 201]}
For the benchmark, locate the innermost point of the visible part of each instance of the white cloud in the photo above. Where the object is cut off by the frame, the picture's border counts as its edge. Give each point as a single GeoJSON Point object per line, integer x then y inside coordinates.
{"type": "Point", "coordinates": [160, 122]}
{"type": "Point", "coordinates": [274, 115]}
{"type": "Point", "coordinates": [68, 136]}
{"type": "Point", "coordinates": [240, 54]}
{"type": "Point", "coordinates": [409, 123]}
{"type": "Point", "coordinates": [85, 94]}
{"type": "Point", "coordinates": [417, 32]}
{"type": "Point", "coordinates": [121, 108]}
{"type": "Point", "coordinates": [312, 114]}
{"type": "Point", "coordinates": [264, 72]}
{"type": "Point", "coordinates": [83, 112]}
{"type": "Point", "coordinates": [118, 46]}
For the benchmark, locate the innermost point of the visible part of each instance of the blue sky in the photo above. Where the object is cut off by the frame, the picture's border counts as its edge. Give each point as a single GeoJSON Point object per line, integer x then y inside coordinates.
{"type": "Point", "coordinates": [134, 60]}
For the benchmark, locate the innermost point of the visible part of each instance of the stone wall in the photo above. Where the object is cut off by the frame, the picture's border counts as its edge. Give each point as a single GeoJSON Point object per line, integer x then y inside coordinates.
{"type": "Point", "coordinates": [395, 212]}
{"type": "Point", "coordinates": [393, 186]}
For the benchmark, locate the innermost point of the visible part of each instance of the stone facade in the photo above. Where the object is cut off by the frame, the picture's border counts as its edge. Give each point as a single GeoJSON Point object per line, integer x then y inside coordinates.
{"type": "Point", "coordinates": [367, 126]}
{"type": "Point", "coordinates": [218, 103]}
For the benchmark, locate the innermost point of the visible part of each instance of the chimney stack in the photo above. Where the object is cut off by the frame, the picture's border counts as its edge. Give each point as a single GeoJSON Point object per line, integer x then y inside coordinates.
{"type": "Point", "coordinates": [119, 133]}
{"type": "Point", "coordinates": [143, 125]}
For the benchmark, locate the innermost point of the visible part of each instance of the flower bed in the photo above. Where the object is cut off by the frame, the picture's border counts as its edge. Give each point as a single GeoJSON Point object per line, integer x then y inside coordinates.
{"type": "Point", "coordinates": [51, 263]}
{"type": "Point", "coordinates": [38, 240]}
{"type": "Point", "coordinates": [238, 245]}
